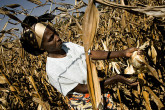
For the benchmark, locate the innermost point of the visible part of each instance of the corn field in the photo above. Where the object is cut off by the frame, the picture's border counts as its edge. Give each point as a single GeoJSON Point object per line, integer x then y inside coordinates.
{"type": "Point", "coordinates": [122, 24]}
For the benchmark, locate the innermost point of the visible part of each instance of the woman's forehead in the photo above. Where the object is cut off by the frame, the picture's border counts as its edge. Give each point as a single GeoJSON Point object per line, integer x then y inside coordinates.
{"type": "Point", "coordinates": [49, 29]}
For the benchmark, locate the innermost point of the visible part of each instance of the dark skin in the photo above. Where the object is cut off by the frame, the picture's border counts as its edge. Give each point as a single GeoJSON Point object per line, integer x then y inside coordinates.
{"type": "Point", "coordinates": [52, 44]}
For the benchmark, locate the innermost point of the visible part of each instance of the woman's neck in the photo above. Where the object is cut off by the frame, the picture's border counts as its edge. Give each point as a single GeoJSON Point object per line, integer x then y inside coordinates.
{"type": "Point", "coordinates": [57, 54]}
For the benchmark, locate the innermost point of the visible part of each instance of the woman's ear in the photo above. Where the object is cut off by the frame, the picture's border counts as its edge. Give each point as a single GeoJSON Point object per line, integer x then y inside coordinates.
{"type": "Point", "coordinates": [42, 46]}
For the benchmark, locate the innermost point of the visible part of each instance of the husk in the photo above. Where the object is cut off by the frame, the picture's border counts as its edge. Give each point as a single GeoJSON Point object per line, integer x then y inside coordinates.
{"type": "Point", "coordinates": [129, 70]}
{"type": "Point", "coordinates": [90, 23]}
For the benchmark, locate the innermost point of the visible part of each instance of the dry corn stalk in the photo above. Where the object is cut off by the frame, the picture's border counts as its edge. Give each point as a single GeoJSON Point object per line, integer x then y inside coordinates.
{"type": "Point", "coordinates": [118, 93]}
{"type": "Point", "coordinates": [33, 83]}
{"type": "Point", "coordinates": [42, 105]}
{"type": "Point", "coordinates": [146, 98]}
{"type": "Point", "coordinates": [146, 94]}
{"type": "Point", "coordinates": [155, 98]}
{"type": "Point", "coordinates": [157, 11]}
{"type": "Point", "coordinates": [90, 24]}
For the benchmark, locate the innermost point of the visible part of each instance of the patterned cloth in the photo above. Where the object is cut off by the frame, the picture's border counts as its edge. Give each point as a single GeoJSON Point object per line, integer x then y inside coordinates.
{"type": "Point", "coordinates": [82, 102]}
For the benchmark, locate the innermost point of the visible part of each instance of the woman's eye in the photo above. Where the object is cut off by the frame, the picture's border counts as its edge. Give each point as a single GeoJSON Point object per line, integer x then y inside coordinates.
{"type": "Point", "coordinates": [51, 38]}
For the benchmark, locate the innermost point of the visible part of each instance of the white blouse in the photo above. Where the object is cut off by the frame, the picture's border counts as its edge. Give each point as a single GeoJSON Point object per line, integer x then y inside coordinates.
{"type": "Point", "coordinates": [67, 72]}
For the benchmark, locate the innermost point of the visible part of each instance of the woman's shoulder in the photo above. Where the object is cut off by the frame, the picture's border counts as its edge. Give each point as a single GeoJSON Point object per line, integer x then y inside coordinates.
{"type": "Point", "coordinates": [71, 45]}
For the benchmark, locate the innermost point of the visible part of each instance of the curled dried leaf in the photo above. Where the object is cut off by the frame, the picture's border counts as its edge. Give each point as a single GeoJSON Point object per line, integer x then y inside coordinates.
{"type": "Point", "coordinates": [129, 70]}
{"type": "Point", "coordinates": [38, 2]}
{"type": "Point", "coordinates": [155, 98]}
{"type": "Point", "coordinates": [3, 80]}
{"type": "Point", "coordinates": [42, 105]}
{"type": "Point", "coordinates": [153, 53]}
{"type": "Point", "coordinates": [104, 45]}
{"type": "Point", "coordinates": [90, 24]}
{"type": "Point", "coordinates": [147, 101]}
{"type": "Point", "coordinates": [13, 5]}
{"type": "Point", "coordinates": [137, 60]}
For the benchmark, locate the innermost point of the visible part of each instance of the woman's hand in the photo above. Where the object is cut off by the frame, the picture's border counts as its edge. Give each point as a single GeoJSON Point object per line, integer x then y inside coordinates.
{"type": "Point", "coordinates": [128, 52]}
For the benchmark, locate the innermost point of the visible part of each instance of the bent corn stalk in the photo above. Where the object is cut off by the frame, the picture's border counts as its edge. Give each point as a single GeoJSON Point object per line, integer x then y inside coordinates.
{"type": "Point", "coordinates": [90, 23]}
{"type": "Point", "coordinates": [156, 11]}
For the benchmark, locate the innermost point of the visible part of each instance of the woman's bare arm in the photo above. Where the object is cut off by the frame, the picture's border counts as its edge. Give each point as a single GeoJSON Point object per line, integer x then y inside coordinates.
{"type": "Point", "coordinates": [103, 55]}
{"type": "Point", "coordinates": [82, 88]}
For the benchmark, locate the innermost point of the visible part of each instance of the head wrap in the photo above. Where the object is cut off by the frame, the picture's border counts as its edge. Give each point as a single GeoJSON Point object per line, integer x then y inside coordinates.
{"type": "Point", "coordinates": [39, 30]}
{"type": "Point", "coordinates": [33, 31]}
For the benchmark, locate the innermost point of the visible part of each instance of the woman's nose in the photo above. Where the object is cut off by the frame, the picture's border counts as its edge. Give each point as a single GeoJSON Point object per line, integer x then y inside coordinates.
{"type": "Point", "coordinates": [57, 38]}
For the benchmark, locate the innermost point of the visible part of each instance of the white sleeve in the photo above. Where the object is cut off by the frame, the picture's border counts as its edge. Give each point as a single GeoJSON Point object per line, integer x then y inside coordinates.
{"type": "Point", "coordinates": [79, 48]}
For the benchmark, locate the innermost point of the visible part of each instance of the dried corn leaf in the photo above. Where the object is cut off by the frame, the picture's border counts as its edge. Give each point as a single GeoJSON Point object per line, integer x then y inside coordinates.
{"type": "Point", "coordinates": [146, 98]}
{"type": "Point", "coordinates": [97, 88]}
{"type": "Point", "coordinates": [4, 89]}
{"type": "Point", "coordinates": [115, 67]}
{"type": "Point", "coordinates": [157, 11]}
{"type": "Point", "coordinates": [141, 79]}
{"type": "Point", "coordinates": [3, 80]}
{"type": "Point", "coordinates": [155, 98]}
{"type": "Point", "coordinates": [5, 25]}
{"type": "Point", "coordinates": [13, 5]}
{"type": "Point", "coordinates": [42, 105]}
{"type": "Point", "coordinates": [118, 94]}
{"type": "Point", "coordinates": [100, 65]}
{"type": "Point", "coordinates": [7, 12]}
{"type": "Point", "coordinates": [13, 23]}
{"type": "Point", "coordinates": [3, 101]}
{"type": "Point", "coordinates": [90, 24]}
{"type": "Point", "coordinates": [104, 45]}
{"type": "Point", "coordinates": [61, 9]}
{"type": "Point", "coordinates": [145, 45]}
{"type": "Point", "coordinates": [3, 34]}
{"type": "Point", "coordinates": [8, 46]}
{"type": "Point", "coordinates": [39, 107]}
{"type": "Point", "coordinates": [33, 83]}
{"type": "Point", "coordinates": [154, 53]}
{"type": "Point", "coordinates": [94, 91]}
{"type": "Point", "coordinates": [129, 70]}
{"type": "Point", "coordinates": [123, 16]}
{"type": "Point", "coordinates": [12, 88]}
{"type": "Point", "coordinates": [153, 71]}
{"type": "Point", "coordinates": [109, 23]}
{"type": "Point", "coordinates": [79, 26]}
{"type": "Point", "coordinates": [38, 2]}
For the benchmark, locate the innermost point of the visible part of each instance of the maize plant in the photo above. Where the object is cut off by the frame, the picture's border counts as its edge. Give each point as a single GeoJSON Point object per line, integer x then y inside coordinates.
{"type": "Point", "coordinates": [121, 24]}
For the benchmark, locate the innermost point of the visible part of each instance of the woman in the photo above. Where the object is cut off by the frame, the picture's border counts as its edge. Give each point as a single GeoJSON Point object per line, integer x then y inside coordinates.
{"type": "Point", "coordinates": [66, 66]}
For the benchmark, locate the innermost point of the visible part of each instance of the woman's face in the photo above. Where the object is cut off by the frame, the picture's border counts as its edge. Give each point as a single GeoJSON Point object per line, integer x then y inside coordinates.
{"type": "Point", "coordinates": [51, 41]}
